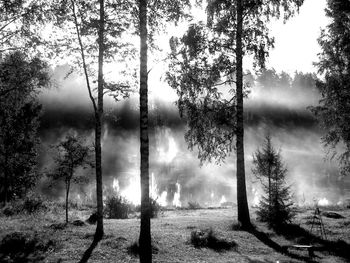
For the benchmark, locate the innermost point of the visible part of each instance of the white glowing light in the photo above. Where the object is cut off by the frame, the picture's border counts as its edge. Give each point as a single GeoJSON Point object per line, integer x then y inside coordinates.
{"type": "Point", "coordinates": [176, 201]}
{"type": "Point", "coordinates": [223, 200]}
{"type": "Point", "coordinates": [168, 155]}
{"type": "Point", "coordinates": [133, 191]}
{"type": "Point", "coordinates": [115, 185]}
{"type": "Point", "coordinates": [153, 187]}
{"type": "Point", "coordinates": [323, 202]}
{"type": "Point", "coordinates": [162, 199]}
{"type": "Point", "coordinates": [212, 195]}
{"type": "Point", "coordinates": [256, 199]}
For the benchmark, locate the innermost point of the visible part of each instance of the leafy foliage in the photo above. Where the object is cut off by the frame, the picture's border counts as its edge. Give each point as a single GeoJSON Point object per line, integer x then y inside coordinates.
{"type": "Point", "coordinates": [22, 247]}
{"type": "Point", "coordinates": [20, 81]}
{"type": "Point", "coordinates": [72, 154]}
{"type": "Point", "coordinates": [21, 25]}
{"type": "Point", "coordinates": [203, 70]}
{"type": "Point", "coordinates": [334, 109]}
{"type": "Point", "coordinates": [276, 207]}
{"type": "Point", "coordinates": [117, 207]}
{"type": "Point", "coordinates": [76, 24]}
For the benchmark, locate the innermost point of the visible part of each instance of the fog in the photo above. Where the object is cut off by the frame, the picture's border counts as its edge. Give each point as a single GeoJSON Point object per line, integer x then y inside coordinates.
{"type": "Point", "coordinates": [273, 106]}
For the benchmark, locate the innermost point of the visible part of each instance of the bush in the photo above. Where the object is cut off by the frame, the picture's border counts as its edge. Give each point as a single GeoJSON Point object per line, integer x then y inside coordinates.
{"type": "Point", "coordinates": [21, 247]}
{"type": "Point", "coordinates": [30, 204]}
{"type": "Point", "coordinates": [207, 238]}
{"type": "Point", "coordinates": [117, 207]}
{"type": "Point", "coordinates": [236, 226]}
{"type": "Point", "coordinates": [33, 203]}
{"type": "Point", "coordinates": [155, 208]}
{"type": "Point", "coordinates": [194, 205]}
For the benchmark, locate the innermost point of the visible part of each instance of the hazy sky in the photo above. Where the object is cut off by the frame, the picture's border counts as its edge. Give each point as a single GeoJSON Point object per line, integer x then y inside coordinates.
{"type": "Point", "coordinates": [296, 44]}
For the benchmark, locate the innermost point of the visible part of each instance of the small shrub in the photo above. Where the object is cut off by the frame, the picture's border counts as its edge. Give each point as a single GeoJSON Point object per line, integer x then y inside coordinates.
{"type": "Point", "coordinates": [194, 205]}
{"type": "Point", "coordinates": [92, 219]}
{"type": "Point", "coordinates": [33, 203]}
{"type": "Point", "coordinates": [207, 238]}
{"type": "Point", "coordinates": [21, 247]}
{"type": "Point", "coordinates": [155, 208]}
{"type": "Point", "coordinates": [236, 226]}
{"type": "Point", "coordinates": [30, 204]}
{"type": "Point", "coordinates": [117, 207]}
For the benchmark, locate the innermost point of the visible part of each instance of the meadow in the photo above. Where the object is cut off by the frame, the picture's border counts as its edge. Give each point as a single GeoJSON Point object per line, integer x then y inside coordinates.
{"type": "Point", "coordinates": [43, 237]}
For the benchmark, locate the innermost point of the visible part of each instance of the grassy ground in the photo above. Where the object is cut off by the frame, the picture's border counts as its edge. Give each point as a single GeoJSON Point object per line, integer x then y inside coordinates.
{"type": "Point", "coordinates": [171, 233]}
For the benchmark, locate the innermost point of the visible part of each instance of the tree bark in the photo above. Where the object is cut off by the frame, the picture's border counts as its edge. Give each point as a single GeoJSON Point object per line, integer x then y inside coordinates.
{"type": "Point", "coordinates": [145, 252]}
{"type": "Point", "coordinates": [243, 210]}
{"type": "Point", "coordinates": [67, 196]}
{"type": "Point", "coordinates": [98, 126]}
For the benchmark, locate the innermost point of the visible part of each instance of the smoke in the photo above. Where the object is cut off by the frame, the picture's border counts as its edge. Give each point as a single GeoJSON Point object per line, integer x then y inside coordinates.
{"type": "Point", "coordinates": [278, 110]}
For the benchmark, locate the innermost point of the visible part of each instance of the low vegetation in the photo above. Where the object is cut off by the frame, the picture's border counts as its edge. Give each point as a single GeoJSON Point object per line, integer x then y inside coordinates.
{"type": "Point", "coordinates": [180, 235]}
{"type": "Point", "coordinates": [209, 239]}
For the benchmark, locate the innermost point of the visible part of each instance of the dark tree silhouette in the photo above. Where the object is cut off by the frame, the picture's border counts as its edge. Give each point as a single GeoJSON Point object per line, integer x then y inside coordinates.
{"type": "Point", "coordinates": [276, 207]}
{"type": "Point", "coordinates": [20, 81]}
{"type": "Point", "coordinates": [71, 155]}
{"type": "Point", "coordinates": [334, 109]}
{"type": "Point", "coordinates": [145, 230]}
{"type": "Point", "coordinates": [211, 56]}
{"type": "Point", "coordinates": [152, 18]}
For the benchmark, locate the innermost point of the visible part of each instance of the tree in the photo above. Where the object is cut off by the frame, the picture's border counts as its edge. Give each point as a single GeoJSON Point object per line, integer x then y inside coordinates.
{"type": "Point", "coordinates": [154, 14]}
{"type": "Point", "coordinates": [333, 111]}
{"type": "Point", "coordinates": [145, 229]}
{"type": "Point", "coordinates": [276, 207]}
{"type": "Point", "coordinates": [20, 81]}
{"type": "Point", "coordinates": [210, 57]}
{"type": "Point", "coordinates": [91, 33]}
{"type": "Point", "coordinates": [71, 155]}
{"type": "Point", "coordinates": [21, 25]}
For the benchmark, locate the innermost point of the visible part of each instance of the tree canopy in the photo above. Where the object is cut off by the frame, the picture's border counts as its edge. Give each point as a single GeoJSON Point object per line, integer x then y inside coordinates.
{"type": "Point", "coordinates": [334, 109]}
{"type": "Point", "coordinates": [20, 81]}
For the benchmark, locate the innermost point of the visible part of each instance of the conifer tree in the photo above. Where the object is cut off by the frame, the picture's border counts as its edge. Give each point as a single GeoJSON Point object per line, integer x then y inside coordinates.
{"type": "Point", "coordinates": [276, 206]}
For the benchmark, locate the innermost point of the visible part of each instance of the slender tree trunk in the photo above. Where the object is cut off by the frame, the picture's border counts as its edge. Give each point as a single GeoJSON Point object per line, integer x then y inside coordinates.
{"type": "Point", "coordinates": [67, 198]}
{"type": "Point", "coordinates": [98, 126]}
{"type": "Point", "coordinates": [243, 211]}
{"type": "Point", "coordinates": [6, 176]}
{"type": "Point", "coordinates": [5, 187]}
{"type": "Point", "coordinates": [145, 230]}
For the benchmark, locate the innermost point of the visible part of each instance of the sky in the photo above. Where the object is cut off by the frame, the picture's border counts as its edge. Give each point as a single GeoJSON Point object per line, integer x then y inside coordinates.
{"type": "Point", "coordinates": [296, 46]}
{"type": "Point", "coordinates": [282, 112]}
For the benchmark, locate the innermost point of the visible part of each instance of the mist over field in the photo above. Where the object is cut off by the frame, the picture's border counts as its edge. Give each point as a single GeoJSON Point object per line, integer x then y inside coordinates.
{"type": "Point", "coordinates": [270, 108]}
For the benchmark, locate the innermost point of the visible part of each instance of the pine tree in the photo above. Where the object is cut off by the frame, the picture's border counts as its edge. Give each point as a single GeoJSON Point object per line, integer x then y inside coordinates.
{"type": "Point", "coordinates": [276, 207]}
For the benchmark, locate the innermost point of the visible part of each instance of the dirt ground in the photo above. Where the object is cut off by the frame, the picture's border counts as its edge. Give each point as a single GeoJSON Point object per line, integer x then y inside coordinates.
{"type": "Point", "coordinates": [171, 233]}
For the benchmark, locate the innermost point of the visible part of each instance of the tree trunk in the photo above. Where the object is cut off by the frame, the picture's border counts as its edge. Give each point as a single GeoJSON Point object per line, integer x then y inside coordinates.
{"type": "Point", "coordinates": [98, 126]}
{"type": "Point", "coordinates": [67, 196]}
{"type": "Point", "coordinates": [243, 211]}
{"type": "Point", "coordinates": [6, 178]}
{"type": "Point", "coordinates": [145, 230]}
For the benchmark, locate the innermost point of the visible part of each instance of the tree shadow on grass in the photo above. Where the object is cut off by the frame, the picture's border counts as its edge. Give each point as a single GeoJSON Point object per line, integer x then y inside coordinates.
{"type": "Point", "coordinates": [88, 252]}
{"type": "Point", "coordinates": [264, 238]}
{"type": "Point", "coordinates": [302, 236]}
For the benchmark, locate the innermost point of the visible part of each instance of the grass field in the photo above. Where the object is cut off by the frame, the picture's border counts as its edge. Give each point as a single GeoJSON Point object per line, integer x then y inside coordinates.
{"type": "Point", "coordinates": [171, 233]}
